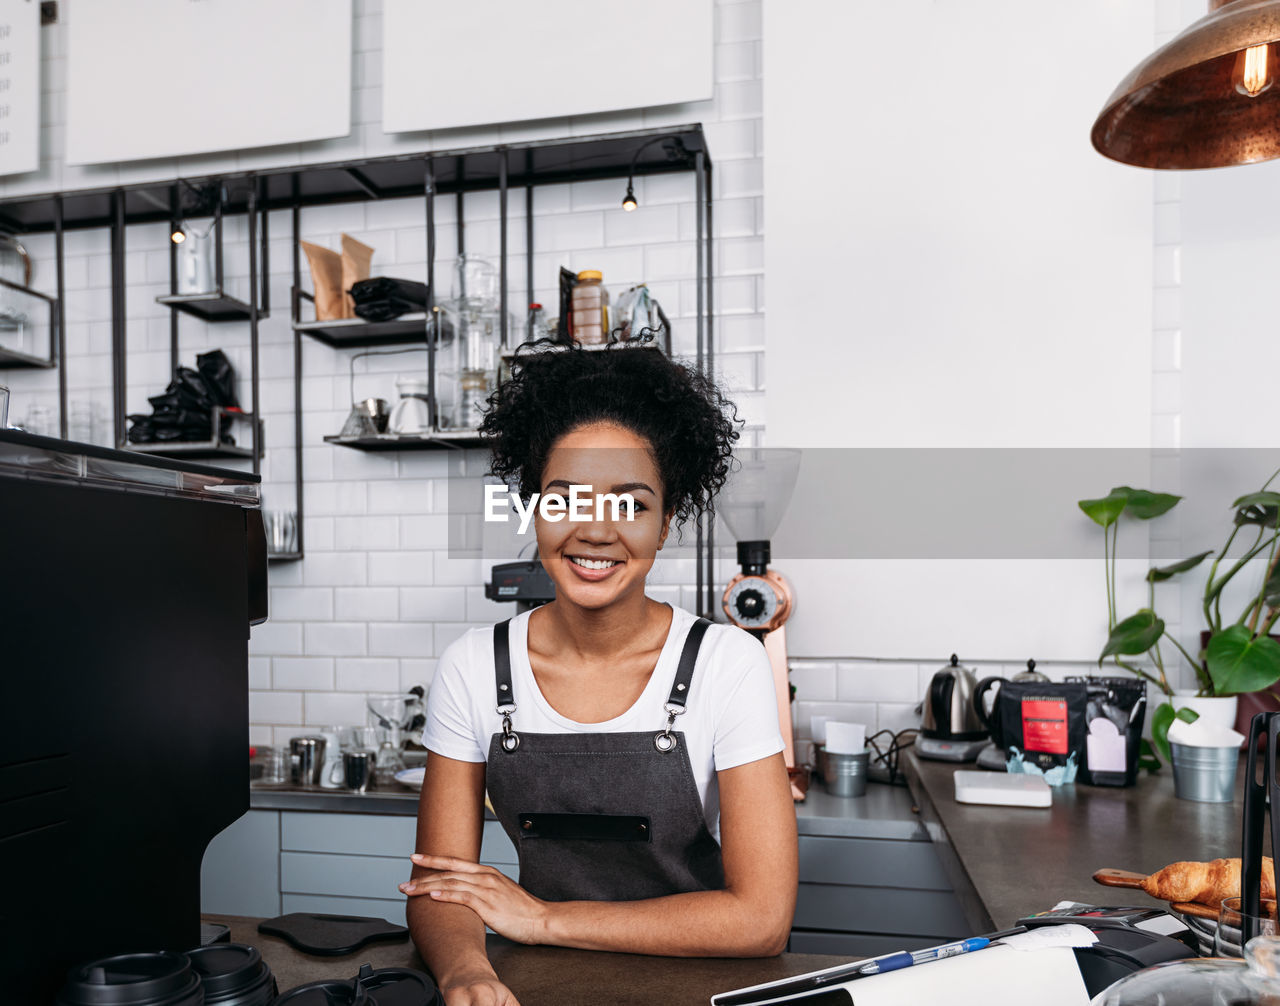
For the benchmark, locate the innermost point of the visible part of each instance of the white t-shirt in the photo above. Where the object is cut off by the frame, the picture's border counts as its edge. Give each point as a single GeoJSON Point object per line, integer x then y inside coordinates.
{"type": "Point", "coordinates": [730, 718]}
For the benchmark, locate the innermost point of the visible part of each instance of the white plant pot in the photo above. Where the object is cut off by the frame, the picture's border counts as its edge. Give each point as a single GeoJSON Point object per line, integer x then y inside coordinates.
{"type": "Point", "coordinates": [1214, 710]}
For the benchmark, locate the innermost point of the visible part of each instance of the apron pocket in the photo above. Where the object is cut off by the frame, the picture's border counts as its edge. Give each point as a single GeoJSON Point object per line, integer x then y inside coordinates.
{"type": "Point", "coordinates": [584, 827]}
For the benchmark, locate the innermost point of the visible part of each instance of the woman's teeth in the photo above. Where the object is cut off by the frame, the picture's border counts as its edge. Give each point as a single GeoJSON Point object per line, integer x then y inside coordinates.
{"type": "Point", "coordinates": [593, 563]}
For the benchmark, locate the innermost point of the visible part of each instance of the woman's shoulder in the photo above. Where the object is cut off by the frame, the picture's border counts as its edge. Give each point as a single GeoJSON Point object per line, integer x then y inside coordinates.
{"type": "Point", "coordinates": [472, 652]}
{"type": "Point", "coordinates": [727, 645]}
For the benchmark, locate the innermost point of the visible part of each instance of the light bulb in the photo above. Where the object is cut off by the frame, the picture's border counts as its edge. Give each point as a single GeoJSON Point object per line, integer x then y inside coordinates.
{"type": "Point", "coordinates": [629, 200]}
{"type": "Point", "coordinates": [1253, 73]}
{"type": "Point", "coordinates": [177, 236]}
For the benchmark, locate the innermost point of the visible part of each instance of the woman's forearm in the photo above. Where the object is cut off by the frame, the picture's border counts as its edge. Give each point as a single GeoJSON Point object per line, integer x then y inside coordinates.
{"type": "Point", "coordinates": [699, 924]}
{"type": "Point", "coordinates": [450, 939]}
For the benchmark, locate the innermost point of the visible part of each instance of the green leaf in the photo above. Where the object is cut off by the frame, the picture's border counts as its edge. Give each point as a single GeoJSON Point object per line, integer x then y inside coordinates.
{"type": "Point", "coordinates": [1144, 505]}
{"type": "Point", "coordinates": [1261, 499]}
{"type": "Point", "coordinates": [1254, 513]}
{"type": "Point", "coordinates": [1239, 662]}
{"type": "Point", "coordinates": [1136, 634]}
{"type": "Point", "coordinates": [1107, 510]}
{"type": "Point", "coordinates": [1161, 721]}
{"type": "Point", "coordinates": [1187, 715]}
{"type": "Point", "coordinates": [1158, 573]}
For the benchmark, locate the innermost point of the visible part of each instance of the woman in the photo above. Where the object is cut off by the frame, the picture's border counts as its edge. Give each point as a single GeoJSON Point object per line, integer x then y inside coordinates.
{"type": "Point", "coordinates": [630, 750]}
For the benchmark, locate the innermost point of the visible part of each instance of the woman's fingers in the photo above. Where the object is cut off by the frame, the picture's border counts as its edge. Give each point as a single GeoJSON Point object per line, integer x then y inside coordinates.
{"type": "Point", "coordinates": [438, 880]}
{"type": "Point", "coordinates": [448, 863]}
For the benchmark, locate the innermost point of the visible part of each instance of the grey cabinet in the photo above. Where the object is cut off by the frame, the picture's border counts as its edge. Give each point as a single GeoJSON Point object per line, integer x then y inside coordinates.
{"type": "Point", "coordinates": [858, 896]}
{"type": "Point", "coordinates": [270, 862]}
{"type": "Point", "coordinates": [862, 897]}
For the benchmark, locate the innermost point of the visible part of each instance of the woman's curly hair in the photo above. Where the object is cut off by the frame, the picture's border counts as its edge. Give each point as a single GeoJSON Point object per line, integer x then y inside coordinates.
{"type": "Point", "coordinates": [680, 411]}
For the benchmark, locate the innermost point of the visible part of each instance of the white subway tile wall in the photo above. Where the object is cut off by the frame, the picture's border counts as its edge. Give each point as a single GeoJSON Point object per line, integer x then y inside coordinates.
{"type": "Point", "coordinates": [377, 597]}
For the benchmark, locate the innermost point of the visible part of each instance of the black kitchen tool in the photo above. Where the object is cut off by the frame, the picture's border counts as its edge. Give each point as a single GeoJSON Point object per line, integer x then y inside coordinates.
{"type": "Point", "coordinates": [331, 935]}
{"type": "Point", "coordinates": [1257, 796]}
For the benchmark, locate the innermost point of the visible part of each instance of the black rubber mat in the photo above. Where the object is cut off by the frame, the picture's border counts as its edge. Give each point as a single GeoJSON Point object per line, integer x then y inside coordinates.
{"type": "Point", "coordinates": [331, 935]}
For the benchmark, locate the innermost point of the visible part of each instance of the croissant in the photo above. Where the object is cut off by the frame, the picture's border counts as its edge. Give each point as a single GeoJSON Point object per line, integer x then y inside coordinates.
{"type": "Point", "coordinates": [1205, 883]}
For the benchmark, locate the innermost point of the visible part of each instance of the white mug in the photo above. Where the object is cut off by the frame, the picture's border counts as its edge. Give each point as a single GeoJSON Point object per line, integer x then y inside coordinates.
{"type": "Point", "coordinates": [410, 416]}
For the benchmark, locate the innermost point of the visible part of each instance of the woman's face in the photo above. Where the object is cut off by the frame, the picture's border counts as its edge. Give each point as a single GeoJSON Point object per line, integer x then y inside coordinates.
{"type": "Point", "coordinates": [596, 562]}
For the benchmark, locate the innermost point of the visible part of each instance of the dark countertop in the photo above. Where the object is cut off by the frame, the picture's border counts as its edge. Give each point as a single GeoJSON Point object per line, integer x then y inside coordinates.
{"type": "Point", "coordinates": [1009, 862]}
{"type": "Point", "coordinates": [547, 976]}
{"type": "Point", "coordinates": [886, 812]}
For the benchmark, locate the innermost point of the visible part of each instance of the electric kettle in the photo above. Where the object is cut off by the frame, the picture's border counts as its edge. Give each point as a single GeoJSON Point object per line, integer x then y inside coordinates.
{"type": "Point", "coordinates": [950, 729]}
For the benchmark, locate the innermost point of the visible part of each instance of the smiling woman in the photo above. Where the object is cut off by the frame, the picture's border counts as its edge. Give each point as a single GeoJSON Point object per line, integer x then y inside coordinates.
{"type": "Point", "coordinates": [630, 749]}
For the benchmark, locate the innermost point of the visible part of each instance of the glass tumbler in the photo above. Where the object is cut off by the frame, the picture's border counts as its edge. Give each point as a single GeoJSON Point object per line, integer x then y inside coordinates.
{"type": "Point", "coordinates": [1227, 941]}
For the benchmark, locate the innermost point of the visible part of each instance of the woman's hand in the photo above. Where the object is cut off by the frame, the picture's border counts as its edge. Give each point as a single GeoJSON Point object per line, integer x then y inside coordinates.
{"type": "Point", "coordinates": [479, 988]}
{"type": "Point", "coordinates": [502, 904]}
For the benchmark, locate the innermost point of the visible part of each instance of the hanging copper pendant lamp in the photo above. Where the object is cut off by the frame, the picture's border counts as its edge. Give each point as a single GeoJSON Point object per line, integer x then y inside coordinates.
{"type": "Point", "coordinates": [1203, 100]}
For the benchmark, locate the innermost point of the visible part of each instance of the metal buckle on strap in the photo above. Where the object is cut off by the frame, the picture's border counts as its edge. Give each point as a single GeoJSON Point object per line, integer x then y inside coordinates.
{"type": "Point", "coordinates": [664, 740]}
{"type": "Point", "coordinates": [510, 739]}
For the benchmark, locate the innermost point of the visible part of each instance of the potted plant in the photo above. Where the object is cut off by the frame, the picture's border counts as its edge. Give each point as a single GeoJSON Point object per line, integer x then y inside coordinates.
{"type": "Point", "coordinates": [1237, 658]}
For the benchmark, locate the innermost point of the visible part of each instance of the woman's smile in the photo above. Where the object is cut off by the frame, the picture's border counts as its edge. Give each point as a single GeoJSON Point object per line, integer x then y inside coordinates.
{"type": "Point", "coordinates": [593, 570]}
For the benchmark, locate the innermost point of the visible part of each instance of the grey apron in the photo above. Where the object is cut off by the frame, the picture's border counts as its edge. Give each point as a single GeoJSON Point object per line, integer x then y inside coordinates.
{"type": "Point", "coordinates": [602, 816]}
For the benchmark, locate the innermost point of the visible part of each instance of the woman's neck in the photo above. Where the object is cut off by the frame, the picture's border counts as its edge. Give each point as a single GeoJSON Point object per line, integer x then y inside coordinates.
{"type": "Point", "coordinates": [601, 632]}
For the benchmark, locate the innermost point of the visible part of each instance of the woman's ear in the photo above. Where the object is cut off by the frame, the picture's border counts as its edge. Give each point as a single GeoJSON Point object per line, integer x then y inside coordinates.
{"type": "Point", "coordinates": [666, 527]}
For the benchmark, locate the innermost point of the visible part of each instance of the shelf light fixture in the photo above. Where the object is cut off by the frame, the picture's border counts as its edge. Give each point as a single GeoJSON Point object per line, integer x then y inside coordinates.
{"type": "Point", "coordinates": [676, 153]}
{"type": "Point", "coordinates": [1203, 100]}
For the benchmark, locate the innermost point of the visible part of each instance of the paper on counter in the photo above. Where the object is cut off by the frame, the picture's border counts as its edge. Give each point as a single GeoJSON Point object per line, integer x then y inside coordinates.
{"type": "Point", "coordinates": [846, 738]}
{"type": "Point", "coordinates": [1071, 934]}
{"type": "Point", "coordinates": [1201, 735]}
{"type": "Point", "coordinates": [996, 975]}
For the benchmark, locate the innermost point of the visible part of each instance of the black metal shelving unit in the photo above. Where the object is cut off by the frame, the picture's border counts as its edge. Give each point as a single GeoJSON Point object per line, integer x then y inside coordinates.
{"type": "Point", "coordinates": [426, 175]}
{"type": "Point", "coordinates": [12, 359]}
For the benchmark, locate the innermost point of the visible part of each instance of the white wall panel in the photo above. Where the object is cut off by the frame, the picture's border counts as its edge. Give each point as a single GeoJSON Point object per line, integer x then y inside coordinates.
{"type": "Point", "coordinates": [179, 78]}
{"type": "Point", "coordinates": [19, 86]}
{"type": "Point", "coordinates": [449, 64]}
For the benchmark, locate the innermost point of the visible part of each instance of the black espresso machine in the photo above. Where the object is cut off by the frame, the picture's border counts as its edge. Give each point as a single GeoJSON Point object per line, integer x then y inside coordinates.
{"type": "Point", "coordinates": [128, 584]}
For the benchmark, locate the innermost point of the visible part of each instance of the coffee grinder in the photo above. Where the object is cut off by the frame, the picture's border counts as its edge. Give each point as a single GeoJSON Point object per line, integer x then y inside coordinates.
{"type": "Point", "coordinates": [758, 598]}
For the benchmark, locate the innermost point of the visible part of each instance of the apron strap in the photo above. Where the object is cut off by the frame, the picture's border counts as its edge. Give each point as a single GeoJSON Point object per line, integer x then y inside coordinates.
{"type": "Point", "coordinates": [664, 740]}
{"type": "Point", "coordinates": [688, 657]}
{"type": "Point", "coordinates": [502, 683]}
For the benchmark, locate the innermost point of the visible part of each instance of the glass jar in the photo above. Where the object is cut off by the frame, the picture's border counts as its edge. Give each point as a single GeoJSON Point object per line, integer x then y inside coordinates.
{"type": "Point", "coordinates": [1204, 981]}
{"type": "Point", "coordinates": [590, 302]}
{"type": "Point", "coordinates": [475, 283]}
{"type": "Point", "coordinates": [468, 366]}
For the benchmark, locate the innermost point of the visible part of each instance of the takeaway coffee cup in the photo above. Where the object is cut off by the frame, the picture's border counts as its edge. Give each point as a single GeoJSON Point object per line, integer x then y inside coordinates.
{"type": "Point", "coordinates": [160, 979]}
{"type": "Point", "coordinates": [233, 974]}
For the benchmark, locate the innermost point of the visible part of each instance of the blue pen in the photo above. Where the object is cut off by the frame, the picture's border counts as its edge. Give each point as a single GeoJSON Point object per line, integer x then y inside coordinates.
{"type": "Point", "coordinates": [903, 959]}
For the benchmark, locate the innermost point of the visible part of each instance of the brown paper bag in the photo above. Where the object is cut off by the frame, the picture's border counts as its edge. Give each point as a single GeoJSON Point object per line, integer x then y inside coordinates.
{"type": "Point", "coordinates": [355, 267]}
{"type": "Point", "coordinates": [326, 278]}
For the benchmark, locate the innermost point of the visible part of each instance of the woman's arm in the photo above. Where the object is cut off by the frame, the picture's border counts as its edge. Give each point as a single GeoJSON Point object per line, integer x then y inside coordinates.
{"type": "Point", "coordinates": [751, 917]}
{"type": "Point", "coordinates": [451, 937]}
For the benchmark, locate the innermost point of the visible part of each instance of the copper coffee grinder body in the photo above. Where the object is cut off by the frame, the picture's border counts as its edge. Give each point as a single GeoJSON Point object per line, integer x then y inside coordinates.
{"type": "Point", "coordinates": [760, 600]}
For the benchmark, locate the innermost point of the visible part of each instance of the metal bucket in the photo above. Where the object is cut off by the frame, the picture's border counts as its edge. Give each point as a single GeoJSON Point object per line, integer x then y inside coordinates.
{"type": "Point", "coordinates": [845, 774]}
{"type": "Point", "coordinates": [1207, 775]}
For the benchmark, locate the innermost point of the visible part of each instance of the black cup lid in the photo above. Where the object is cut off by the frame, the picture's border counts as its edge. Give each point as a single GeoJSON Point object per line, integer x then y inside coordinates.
{"type": "Point", "coordinates": [326, 993]}
{"type": "Point", "coordinates": [129, 979]}
{"type": "Point", "coordinates": [227, 968]}
{"type": "Point", "coordinates": [398, 987]}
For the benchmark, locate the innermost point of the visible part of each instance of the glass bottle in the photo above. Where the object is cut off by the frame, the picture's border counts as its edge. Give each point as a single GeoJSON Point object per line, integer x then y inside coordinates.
{"type": "Point", "coordinates": [590, 302]}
